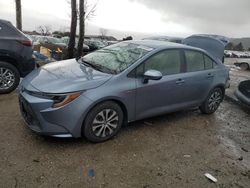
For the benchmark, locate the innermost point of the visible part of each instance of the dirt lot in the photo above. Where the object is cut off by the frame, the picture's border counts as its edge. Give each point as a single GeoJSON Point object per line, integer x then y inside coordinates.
{"type": "Point", "coordinates": [174, 150]}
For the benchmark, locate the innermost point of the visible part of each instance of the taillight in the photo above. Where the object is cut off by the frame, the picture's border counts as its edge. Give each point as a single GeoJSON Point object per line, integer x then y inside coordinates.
{"type": "Point", "coordinates": [26, 42]}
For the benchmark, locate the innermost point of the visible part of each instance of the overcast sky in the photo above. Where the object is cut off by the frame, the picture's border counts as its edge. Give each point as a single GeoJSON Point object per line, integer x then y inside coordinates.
{"type": "Point", "coordinates": [141, 17]}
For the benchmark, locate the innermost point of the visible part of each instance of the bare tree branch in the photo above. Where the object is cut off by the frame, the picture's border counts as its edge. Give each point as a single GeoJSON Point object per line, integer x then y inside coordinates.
{"type": "Point", "coordinates": [90, 10]}
{"type": "Point", "coordinates": [44, 30]}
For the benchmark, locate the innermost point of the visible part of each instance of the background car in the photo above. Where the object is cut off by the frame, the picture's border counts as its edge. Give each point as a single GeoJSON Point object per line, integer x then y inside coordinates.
{"type": "Point", "coordinates": [243, 92]}
{"type": "Point", "coordinates": [166, 38]}
{"type": "Point", "coordinates": [128, 81]}
{"type": "Point", "coordinates": [94, 44]}
{"type": "Point", "coordinates": [15, 56]}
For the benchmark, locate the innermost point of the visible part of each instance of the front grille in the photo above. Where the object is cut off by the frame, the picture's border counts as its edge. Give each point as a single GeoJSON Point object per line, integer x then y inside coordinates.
{"type": "Point", "coordinates": [27, 112]}
{"type": "Point", "coordinates": [244, 88]}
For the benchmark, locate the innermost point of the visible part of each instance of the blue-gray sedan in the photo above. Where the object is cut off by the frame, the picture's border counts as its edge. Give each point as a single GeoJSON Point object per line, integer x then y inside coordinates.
{"type": "Point", "coordinates": [95, 95]}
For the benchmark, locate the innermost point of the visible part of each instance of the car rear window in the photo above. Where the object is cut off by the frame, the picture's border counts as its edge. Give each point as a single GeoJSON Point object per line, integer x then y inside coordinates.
{"type": "Point", "coordinates": [7, 31]}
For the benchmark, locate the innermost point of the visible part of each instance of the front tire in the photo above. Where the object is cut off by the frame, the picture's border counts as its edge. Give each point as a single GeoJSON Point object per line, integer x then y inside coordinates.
{"type": "Point", "coordinates": [9, 78]}
{"type": "Point", "coordinates": [212, 102]}
{"type": "Point", "coordinates": [103, 122]}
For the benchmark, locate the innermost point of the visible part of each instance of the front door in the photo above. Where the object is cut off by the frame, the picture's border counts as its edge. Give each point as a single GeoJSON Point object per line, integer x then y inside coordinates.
{"type": "Point", "coordinates": [160, 96]}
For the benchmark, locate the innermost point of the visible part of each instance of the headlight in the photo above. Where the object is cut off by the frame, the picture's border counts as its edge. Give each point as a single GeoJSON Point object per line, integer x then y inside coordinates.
{"type": "Point", "coordinates": [59, 99]}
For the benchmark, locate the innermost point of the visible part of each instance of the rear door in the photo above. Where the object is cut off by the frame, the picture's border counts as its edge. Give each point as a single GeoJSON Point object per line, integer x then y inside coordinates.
{"type": "Point", "coordinates": [198, 78]}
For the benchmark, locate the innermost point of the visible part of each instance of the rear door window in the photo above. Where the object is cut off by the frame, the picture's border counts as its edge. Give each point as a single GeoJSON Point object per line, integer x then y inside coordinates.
{"type": "Point", "coordinates": [6, 30]}
{"type": "Point", "coordinates": [194, 60]}
{"type": "Point", "coordinates": [208, 62]}
{"type": "Point", "coordinates": [2, 29]}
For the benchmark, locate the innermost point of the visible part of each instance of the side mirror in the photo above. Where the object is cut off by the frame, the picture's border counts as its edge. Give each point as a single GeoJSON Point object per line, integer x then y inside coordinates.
{"type": "Point", "coordinates": [151, 75]}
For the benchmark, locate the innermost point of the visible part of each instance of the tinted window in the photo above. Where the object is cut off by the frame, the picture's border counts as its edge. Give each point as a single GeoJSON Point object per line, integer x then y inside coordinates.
{"type": "Point", "coordinates": [208, 62]}
{"type": "Point", "coordinates": [7, 30]}
{"type": "Point", "coordinates": [195, 61]}
{"type": "Point", "coordinates": [2, 30]}
{"type": "Point", "coordinates": [167, 62]}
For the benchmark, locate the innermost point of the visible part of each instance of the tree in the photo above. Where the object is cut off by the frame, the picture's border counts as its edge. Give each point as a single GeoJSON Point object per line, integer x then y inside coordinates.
{"type": "Point", "coordinates": [103, 32]}
{"type": "Point", "coordinates": [86, 12]}
{"type": "Point", "coordinates": [18, 15]}
{"type": "Point", "coordinates": [239, 47]}
{"type": "Point", "coordinates": [229, 46]}
{"type": "Point", "coordinates": [73, 25]}
{"type": "Point", "coordinates": [44, 30]}
{"type": "Point", "coordinates": [81, 27]}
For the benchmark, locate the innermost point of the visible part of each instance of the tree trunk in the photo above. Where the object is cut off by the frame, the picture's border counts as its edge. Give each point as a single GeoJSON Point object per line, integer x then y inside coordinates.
{"type": "Point", "coordinates": [81, 28]}
{"type": "Point", "coordinates": [72, 37]}
{"type": "Point", "coordinates": [18, 15]}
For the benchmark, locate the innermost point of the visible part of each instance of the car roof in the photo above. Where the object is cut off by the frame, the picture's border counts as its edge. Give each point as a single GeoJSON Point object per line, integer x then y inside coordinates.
{"type": "Point", "coordinates": [4, 21]}
{"type": "Point", "coordinates": [162, 44]}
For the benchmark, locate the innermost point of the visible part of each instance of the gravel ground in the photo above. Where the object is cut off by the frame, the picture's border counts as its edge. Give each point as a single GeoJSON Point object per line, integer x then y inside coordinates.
{"type": "Point", "coordinates": [173, 150]}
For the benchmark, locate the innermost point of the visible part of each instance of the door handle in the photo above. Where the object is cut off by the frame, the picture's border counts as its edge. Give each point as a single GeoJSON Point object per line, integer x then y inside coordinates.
{"type": "Point", "coordinates": [210, 75]}
{"type": "Point", "coordinates": [180, 81]}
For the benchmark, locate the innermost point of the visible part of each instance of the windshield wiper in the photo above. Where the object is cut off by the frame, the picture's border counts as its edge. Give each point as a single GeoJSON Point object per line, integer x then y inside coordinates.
{"type": "Point", "coordinates": [98, 67]}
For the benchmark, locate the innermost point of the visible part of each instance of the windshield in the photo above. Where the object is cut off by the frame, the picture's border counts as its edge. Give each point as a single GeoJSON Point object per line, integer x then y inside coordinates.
{"type": "Point", "coordinates": [117, 57]}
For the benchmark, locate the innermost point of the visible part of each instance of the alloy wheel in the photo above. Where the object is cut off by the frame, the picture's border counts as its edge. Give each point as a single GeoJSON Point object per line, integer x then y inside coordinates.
{"type": "Point", "coordinates": [214, 100]}
{"type": "Point", "coordinates": [105, 123]}
{"type": "Point", "coordinates": [7, 78]}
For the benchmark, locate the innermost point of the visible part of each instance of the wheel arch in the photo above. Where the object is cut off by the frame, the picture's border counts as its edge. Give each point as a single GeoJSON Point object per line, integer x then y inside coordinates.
{"type": "Point", "coordinates": [221, 86]}
{"type": "Point", "coordinates": [116, 100]}
{"type": "Point", "coordinates": [10, 60]}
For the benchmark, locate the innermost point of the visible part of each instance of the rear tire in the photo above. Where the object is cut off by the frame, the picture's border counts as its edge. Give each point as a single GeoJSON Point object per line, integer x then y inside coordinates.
{"type": "Point", "coordinates": [103, 122]}
{"type": "Point", "coordinates": [212, 102]}
{"type": "Point", "coordinates": [9, 77]}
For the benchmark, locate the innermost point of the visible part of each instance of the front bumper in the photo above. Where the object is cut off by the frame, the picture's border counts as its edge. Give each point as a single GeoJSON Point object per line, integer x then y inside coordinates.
{"type": "Point", "coordinates": [58, 122]}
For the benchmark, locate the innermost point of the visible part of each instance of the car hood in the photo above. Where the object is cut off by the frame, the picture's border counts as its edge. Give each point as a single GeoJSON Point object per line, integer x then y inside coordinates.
{"type": "Point", "coordinates": [64, 77]}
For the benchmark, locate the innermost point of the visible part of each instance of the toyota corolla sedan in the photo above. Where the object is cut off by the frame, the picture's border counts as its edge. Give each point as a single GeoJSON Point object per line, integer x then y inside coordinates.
{"type": "Point", "coordinates": [98, 93]}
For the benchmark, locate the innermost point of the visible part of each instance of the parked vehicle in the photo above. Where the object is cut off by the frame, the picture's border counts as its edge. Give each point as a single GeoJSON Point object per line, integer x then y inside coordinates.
{"type": "Point", "coordinates": [166, 38]}
{"type": "Point", "coordinates": [15, 56]}
{"type": "Point", "coordinates": [213, 44]}
{"type": "Point", "coordinates": [243, 64]}
{"type": "Point", "coordinates": [48, 42]}
{"type": "Point", "coordinates": [94, 44]}
{"type": "Point", "coordinates": [128, 81]}
{"type": "Point", "coordinates": [243, 92]}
